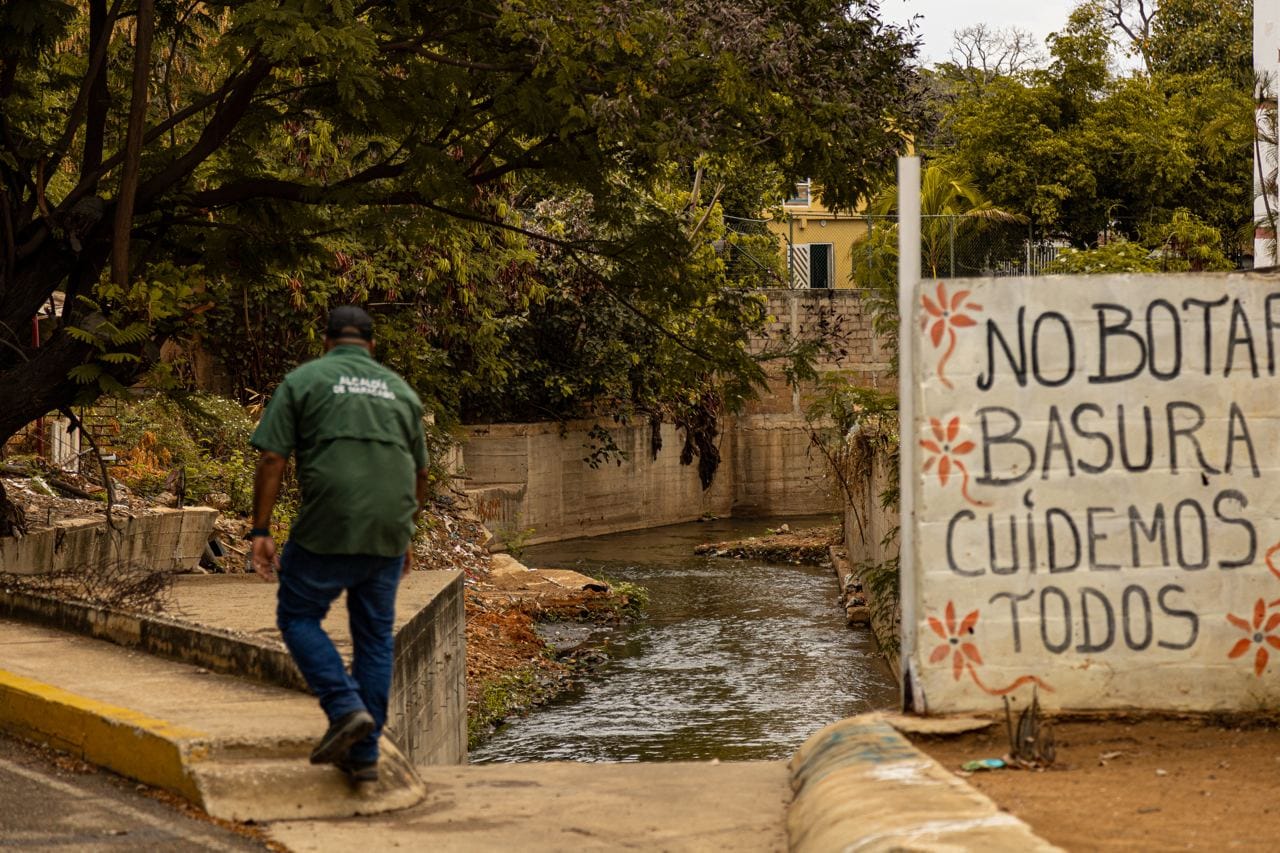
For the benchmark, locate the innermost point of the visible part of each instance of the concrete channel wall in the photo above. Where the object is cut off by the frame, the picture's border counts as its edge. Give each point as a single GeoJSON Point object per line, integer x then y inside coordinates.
{"type": "Point", "coordinates": [531, 481]}
{"type": "Point", "coordinates": [427, 711]}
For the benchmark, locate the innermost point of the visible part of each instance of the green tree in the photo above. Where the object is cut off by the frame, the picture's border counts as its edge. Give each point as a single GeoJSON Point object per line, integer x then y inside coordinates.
{"type": "Point", "coordinates": [951, 208]}
{"type": "Point", "coordinates": [200, 152]}
{"type": "Point", "coordinates": [953, 211]}
{"type": "Point", "coordinates": [1083, 153]}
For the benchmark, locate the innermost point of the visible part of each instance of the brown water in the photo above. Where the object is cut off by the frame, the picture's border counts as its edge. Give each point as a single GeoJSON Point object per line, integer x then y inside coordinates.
{"type": "Point", "coordinates": [735, 659]}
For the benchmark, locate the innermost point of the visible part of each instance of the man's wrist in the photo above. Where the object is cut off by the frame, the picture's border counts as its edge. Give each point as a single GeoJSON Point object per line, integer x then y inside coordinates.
{"type": "Point", "coordinates": [257, 532]}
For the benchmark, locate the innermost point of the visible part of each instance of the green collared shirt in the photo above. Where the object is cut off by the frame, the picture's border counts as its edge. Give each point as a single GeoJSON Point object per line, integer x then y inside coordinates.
{"type": "Point", "coordinates": [356, 428]}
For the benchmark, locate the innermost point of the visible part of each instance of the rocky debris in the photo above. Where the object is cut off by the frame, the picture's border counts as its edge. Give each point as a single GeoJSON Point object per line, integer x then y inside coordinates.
{"type": "Point", "coordinates": [45, 499]}
{"type": "Point", "coordinates": [529, 634]}
{"type": "Point", "coordinates": [566, 637]}
{"type": "Point", "coordinates": [854, 601]}
{"type": "Point", "coordinates": [803, 547]}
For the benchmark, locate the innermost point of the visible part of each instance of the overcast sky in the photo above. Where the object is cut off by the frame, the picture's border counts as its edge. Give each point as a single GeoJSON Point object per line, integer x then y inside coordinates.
{"type": "Point", "coordinates": [940, 18]}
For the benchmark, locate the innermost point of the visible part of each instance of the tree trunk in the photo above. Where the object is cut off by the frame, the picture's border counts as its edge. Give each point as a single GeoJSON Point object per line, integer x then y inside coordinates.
{"type": "Point", "coordinates": [33, 388]}
{"type": "Point", "coordinates": [13, 520]}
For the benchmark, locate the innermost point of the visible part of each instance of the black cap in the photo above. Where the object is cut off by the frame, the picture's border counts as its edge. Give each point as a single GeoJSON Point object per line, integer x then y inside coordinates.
{"type": "Point", "coordinates": [348, 321]}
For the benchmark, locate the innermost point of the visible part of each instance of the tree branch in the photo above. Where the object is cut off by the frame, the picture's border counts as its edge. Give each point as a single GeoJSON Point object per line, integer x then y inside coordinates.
{"type": "Point", "coordinates": [133, 143]}
{"type": "Point", "coordinates": [91, 82]}
{"type": "Point", "coordinates": [215, 133]}
{"type": "Point", "coordinates": [89, 181]}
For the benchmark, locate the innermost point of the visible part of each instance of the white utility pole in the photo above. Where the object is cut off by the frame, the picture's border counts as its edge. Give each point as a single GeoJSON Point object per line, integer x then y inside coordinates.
{"type": "Point", "coordinates": [908, 281]}
{"type": "Point", "coordinates": [1266, 66]}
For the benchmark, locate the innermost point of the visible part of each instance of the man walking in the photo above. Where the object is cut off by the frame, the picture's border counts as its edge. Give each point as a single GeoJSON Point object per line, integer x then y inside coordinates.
{"type": "Point", "coordinates": [356, 429]}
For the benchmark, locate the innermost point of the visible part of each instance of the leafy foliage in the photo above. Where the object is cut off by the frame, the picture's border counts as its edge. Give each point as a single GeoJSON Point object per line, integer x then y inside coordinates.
{"type": "Point", "coordinates": [414, 156]}
{"type": "Point", "coordinates": [204, 436]}
{"type": "Point", "coordinates": [1118, 256]}
{"type": "Point", "coordinates": [861, 441]}
{"type": "Point", "coordinates": [1084, 153]}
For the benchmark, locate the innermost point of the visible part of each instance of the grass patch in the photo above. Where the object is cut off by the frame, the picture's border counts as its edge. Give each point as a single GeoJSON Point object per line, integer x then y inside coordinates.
{"type": "Point", "coordinates": [503, 696]}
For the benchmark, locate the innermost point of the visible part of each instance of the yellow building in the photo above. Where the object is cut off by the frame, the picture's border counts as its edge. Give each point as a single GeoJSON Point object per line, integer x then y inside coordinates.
{"type": "Point", "coordinates": [820, 241]}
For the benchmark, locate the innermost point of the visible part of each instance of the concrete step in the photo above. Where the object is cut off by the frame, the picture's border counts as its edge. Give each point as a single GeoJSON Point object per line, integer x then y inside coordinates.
{"type": "Point", "coordinates": [287, 787]}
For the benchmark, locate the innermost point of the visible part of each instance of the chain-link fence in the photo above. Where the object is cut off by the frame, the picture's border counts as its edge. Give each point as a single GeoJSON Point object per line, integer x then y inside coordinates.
{"type": "Point", "coordinates": [965, 246]}
{"type": "Point", "coordinates": [753, 254]}
{"type": "Point", "coordinates": [951, 247]}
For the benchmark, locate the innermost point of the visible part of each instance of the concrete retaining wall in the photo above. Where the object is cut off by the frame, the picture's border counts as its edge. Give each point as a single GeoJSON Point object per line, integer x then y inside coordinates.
{"type": "Point", "coordinates": [427, 715]}
{"type": "Point", "coordinates": [428, 705]}
{"type": "Point", "coordinates": [161, 540]}
{"type": "Point", "coordinates": [867, 523]}
{"type": "Point", "coordinates": [776, 470]}
{"type": "Point", "coordinates": [534, 477]}
{"type": "Point", "coordinates": [530, 480]}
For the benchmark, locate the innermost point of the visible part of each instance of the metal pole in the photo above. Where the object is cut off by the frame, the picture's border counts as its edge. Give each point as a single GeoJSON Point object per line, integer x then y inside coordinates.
{"type": "Point", "coordinates": [791, 252]}
{"type": "Point", "coordinates": [908, 281]}
{"type": "Point", "coordinates": [1031, 237]}
{"type": "Point", "coordinates": [952, 221]}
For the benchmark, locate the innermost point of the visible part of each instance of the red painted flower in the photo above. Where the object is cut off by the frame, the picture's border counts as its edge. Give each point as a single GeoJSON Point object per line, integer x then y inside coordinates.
{"type": "Point", "coordinates": [954, 636]}
{"type": "Point", "coordinates": [1259, 634]}
{"type": "Point", "coordinates": [942, 318]}
{"type": "Point", "coordinates": [946, 453]}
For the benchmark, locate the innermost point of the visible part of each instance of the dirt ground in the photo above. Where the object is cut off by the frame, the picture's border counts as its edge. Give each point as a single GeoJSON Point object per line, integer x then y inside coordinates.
{"type": "Point", "coordinates": [1139, 784]}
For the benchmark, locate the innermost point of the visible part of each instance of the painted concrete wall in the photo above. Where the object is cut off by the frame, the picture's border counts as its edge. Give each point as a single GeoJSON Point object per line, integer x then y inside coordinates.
{"type": "Point", "coordinates": [809, 222]}
{"type": "Point", "coordinates": [1095, 502]}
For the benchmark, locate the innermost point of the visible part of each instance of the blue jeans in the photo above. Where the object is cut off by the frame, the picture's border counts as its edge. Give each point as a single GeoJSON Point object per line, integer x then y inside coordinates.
{"type": "Point", "coordinates": [308, 585]}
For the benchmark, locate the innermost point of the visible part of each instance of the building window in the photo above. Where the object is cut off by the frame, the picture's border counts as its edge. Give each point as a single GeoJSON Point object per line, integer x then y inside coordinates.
{"type": "Point", "coordinates": [803, 194]}
{"type": "Point", "coordinates": [812, 265]}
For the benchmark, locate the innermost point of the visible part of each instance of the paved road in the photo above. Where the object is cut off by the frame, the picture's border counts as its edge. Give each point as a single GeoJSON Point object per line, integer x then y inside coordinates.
{"type": "Point", "coordinates": [49, 802]}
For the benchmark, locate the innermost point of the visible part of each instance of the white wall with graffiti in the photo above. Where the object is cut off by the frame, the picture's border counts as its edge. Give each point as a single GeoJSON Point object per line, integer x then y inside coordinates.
{"type": "Point", "coordinates": [1096, 493]}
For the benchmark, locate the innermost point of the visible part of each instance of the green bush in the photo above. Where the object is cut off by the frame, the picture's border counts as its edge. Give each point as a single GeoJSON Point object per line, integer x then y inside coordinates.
{"type": "Point", "coordinates": [204, 435]}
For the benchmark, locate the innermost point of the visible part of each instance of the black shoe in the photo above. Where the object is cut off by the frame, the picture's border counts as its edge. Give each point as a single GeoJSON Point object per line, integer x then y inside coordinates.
{"type": "Point", "coordinates": [358, 772]}
{"type": "Point", "coordinates": [342, 734]}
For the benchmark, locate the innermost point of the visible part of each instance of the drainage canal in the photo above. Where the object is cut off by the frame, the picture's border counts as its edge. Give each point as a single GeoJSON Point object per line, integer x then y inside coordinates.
{"type": "Point", "coordinates": [734, 660]}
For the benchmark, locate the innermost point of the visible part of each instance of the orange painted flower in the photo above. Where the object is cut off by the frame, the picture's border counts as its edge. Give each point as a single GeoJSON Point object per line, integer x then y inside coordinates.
{"type": "Point", "coordinates": [946, 452]}
{"type": "Point", "coordinates": [1259, 634]}
{"type": "Point", "coordinates": [954, 637]}
{"type": "Point", "coordinates": [964, 654]}
{"type": "Point", "coordinates": [942, 317]}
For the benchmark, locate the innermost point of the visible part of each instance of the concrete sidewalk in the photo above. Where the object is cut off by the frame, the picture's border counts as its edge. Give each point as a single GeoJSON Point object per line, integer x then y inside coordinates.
{"type": "Point", "coordinates": [226, 624]}
{"type": "Point", "coordinates": [236, 748]}
{"type": "Point", "coordinates": [553, 807]}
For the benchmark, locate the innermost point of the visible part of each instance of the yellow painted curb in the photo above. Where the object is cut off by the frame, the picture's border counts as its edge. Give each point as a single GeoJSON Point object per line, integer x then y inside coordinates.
{"type": "Point", "coordinates": [132, 744]}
